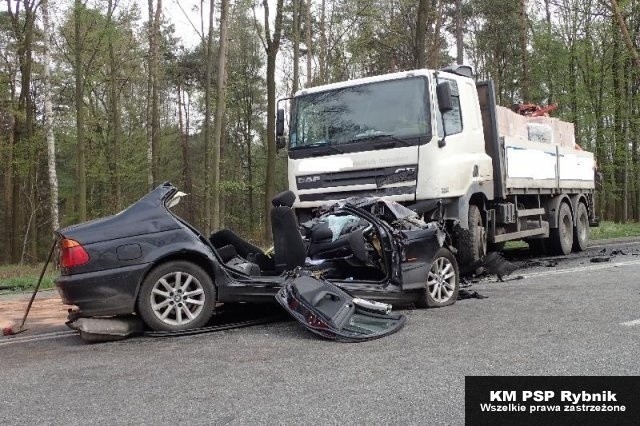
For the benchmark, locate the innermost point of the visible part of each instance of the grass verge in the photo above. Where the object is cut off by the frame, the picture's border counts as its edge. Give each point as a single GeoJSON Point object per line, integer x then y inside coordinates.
{"type": "Point", "coordinates": [615, 230]}
{"type": "Point", "coordinates": [25, 277]}
{"type": "Point", "coordinates": [604, 231]}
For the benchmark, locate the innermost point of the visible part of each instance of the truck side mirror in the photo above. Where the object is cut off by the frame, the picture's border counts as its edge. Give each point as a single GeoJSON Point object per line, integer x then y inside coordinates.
{"type": "Point", "coordinates": [280, 123]}
{"type": "Point", "coordinates": [445, 100]}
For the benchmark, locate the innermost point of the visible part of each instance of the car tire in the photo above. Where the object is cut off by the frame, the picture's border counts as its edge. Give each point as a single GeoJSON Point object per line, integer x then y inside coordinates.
{"type": "Point", "coordinates": [581, 230]}
{"type": "Point", "coordinates": [176, 295]}
{"type": "Point", "coordinates": [442, 281]}
{"type": "Point", "coordinates": [561, 238]}
{"type": "Point", "coordinates": [472, 242]}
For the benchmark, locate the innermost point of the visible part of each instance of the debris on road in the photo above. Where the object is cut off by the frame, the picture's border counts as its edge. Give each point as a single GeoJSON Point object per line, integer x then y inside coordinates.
{"type": "Point", "coordinates": [600, 259]}
{"type": "Point", "coordinates": [617, 252]}
{"type": "Point", "coordinates": [466, 294]}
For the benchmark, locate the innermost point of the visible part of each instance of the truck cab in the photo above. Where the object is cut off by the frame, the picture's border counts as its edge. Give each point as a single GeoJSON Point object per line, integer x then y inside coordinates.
{"type": "Point", "coordinates": [387, 136]}
{"type": "Point", "coordinates": [435, 141]}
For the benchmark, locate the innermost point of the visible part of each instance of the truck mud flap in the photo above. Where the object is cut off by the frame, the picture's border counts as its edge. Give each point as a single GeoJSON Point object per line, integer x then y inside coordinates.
{"type": "Point", "coordinates": [330, 312]}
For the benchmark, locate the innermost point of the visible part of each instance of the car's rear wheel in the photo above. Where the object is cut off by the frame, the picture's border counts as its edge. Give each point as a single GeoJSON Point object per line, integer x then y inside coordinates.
{"type": "Point", "coordinates": [176, 295]}
{"type": "Point", "coordinates": [443, 281]}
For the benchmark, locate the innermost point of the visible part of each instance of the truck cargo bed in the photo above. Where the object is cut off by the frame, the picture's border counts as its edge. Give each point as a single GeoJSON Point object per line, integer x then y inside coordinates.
{"type": "Point", "coordinates": [535, 166]}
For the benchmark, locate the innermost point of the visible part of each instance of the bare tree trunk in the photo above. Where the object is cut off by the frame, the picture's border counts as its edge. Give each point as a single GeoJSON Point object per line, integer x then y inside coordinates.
{"type": "Point", "coordinates": [9, 230]}
{"type": "Point", "coordinates": [81, 175]}
{"type": "Point", "coordinates": [207, 124]}
{"type": "Point", "coordinates": [548, 64]}
{"type": "Point", "coordinates": [296, 46]}
{"type": "Point", "coordinates": [48, 118]}
{"type": "Point", "coordinates": [149, 126]}
{"type": "Point", "coordinates": [419, 52]}
{"type": "Point", "coordinates": [459, 34]}
{"type": "Point", "coordinates": [184, 145]}
{"type": "Point", "coordinates": [322, 57]}
{"type": "Point", "coordinates": [309, 42]}
{"type": "Point", "coordinates": [523, 47]}
{"type": "Point", "coordinates": [438, 18]}
{"type": "Point", "coordinates": [115, 116]}
{"type": "Point", "coordinates": [625, 33]}
{"type": "Point", "coordinates": [220, 107]}
{"type": "Point", "coordinates": [155, 88]}
{"type": "Point", "coordinates": [272, 45]}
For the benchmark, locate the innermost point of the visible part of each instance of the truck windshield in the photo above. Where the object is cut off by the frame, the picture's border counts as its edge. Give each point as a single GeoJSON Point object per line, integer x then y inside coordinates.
{"type": "Point", "coordinates": [397, 110]}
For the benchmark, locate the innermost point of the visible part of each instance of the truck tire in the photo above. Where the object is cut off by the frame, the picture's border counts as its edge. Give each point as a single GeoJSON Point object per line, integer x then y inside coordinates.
{"type": "Point", "coordinates": [561, 238]}
{"type": "Point", "coordinates": [472, 242]}
{"type": "Point", "coordinates": [581, 230]}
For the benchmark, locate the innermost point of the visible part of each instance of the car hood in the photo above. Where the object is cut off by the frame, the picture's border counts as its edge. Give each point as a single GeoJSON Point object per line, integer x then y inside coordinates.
{"type": "Point", "coordinates": [330, 312]}
{"type": "Point", "coordinates": [145, 216]}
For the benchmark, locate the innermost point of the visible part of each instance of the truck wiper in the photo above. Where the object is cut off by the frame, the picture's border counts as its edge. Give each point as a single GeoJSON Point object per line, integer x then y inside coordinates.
{"type": "Point", "coordinates": [320, 149]}
{"type": "Point", "coordinates": [379, 135]}
{"type": "Point", "coordinates": [325, 150]}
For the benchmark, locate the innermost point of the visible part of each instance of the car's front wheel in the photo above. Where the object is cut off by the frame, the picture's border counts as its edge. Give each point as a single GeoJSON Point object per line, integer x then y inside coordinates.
{"type": "Point", "coordinates": [176, 295]}
{"type": "Point", "coordinates": [443, 281]}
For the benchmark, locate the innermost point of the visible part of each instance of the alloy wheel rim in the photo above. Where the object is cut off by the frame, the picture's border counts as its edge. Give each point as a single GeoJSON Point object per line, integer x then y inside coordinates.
{"type": "Point", "coordinates": [177, 298]}
{"type": "Point", "coordinates": [441, 280]}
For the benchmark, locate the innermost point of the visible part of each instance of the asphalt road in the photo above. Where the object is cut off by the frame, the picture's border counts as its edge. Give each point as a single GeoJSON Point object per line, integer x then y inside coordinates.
{"type": "Point", "coordinates": [573, 318]}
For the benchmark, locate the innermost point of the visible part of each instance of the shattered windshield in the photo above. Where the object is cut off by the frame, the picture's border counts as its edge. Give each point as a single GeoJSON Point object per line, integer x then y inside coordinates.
{"type": "Point", "coordinates": [382, 207]}
{"type": "Point", "coordinates": [393, 109]}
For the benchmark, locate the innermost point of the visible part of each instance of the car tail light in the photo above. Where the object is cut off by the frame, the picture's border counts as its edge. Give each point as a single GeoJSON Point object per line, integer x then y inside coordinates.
{"type": "Point", "coordinates": [72, 253]}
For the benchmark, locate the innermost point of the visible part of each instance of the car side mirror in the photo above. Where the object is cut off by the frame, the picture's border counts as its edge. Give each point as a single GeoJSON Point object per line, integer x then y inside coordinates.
{"type": "Point", "coordinates": [280, 139]}
{"type": "Point", "coordinates": [445, 100]}
{"type": "Point", "coordinates": [280, 123]}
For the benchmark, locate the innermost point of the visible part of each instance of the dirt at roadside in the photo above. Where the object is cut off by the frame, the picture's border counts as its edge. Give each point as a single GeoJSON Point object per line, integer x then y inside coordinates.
{"type": "Point", "coordinates": [47, 312]}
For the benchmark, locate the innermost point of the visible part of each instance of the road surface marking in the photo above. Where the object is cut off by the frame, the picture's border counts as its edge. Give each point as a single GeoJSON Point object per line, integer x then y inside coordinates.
{"type": "Point", "coordinates": [582, 268]}
{"type": "Point", "coordinates": [630, 323]}
{"type": "Point", "coordinates": [613, 243]}
{"type": "Point", "coordinates": [37, 337]}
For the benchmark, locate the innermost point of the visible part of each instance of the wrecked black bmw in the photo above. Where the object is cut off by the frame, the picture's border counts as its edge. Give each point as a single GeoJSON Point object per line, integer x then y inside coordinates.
{"type": "Point", "coordinates": [148, 261]}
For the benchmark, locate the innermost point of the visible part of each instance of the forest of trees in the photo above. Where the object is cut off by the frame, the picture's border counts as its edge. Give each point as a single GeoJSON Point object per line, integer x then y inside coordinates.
{"type": "Point", "coordinates": [101, 100]}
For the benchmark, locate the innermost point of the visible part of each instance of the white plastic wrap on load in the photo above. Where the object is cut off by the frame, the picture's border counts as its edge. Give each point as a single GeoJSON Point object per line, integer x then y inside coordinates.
{"type": "Point", "coordinates": [540, 132]}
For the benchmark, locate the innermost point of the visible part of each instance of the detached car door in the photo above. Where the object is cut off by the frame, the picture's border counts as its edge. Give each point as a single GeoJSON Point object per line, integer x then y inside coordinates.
{"type": "Point", "coordinates": [325, 309]}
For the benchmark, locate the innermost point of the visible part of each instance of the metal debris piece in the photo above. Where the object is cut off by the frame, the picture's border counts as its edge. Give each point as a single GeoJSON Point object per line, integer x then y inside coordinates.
{"type": "Point", "coordinates": [466, 294]}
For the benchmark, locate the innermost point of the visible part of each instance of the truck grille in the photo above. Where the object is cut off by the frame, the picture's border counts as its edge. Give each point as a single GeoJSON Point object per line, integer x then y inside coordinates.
{"type": "Point", "coordinates": [378, 176]}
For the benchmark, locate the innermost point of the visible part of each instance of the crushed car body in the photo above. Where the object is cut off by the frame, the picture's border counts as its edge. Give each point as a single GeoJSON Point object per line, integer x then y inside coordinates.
{"type": "Point", "coordinates": [148, 261]}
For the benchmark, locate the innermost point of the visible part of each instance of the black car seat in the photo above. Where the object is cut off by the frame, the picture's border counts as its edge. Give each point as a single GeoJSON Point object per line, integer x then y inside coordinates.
{"type": "Point", "coordinates": [323, 246]}
{"type": "Point", "coordinates": [225, 237]}
{"type": "Point", "coordinates": [288, 246]}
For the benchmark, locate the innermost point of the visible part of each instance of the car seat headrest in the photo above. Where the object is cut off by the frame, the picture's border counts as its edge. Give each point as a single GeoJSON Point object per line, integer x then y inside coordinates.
{"type": "Point", "coordinates": [285, 198]}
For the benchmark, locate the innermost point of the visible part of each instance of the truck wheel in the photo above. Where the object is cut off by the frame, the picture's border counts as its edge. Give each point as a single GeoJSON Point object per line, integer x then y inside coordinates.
{"type": "Point", "coordinates": [176, 295]}
{"type": "Point", "coordinates": [443, 281]}
{"type": "Point", "coordinates": [472, 242]}
{"type": "Point", "coordinates": [581, 230]}
{"type": "Point", "coordinates": [561, 238]}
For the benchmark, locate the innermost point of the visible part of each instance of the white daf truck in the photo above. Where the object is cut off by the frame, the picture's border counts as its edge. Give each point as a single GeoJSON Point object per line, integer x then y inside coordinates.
{"type": "Point", "coordinates": [430, 140]}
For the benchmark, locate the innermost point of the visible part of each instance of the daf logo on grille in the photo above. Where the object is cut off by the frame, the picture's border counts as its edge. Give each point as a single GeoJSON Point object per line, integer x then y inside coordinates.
{"type": "Point", "coordinates": [407, 170]}
{"type": "Point", "coordinates": [308, 179]}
